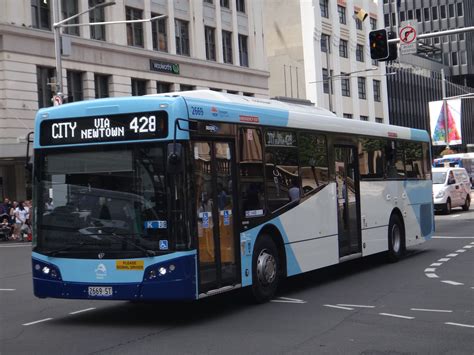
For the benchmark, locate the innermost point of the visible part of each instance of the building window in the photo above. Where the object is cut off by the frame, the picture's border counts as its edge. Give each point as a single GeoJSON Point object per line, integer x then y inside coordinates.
{"type": "Point", "coordinates": [454, 58]}
{"type": "Point", "coordinates": [373, 23]}
{"type": "Point", "coordinates": [134, 30]}
{"type": "Point", "coordinates": [341, 10]}
{"type": "Point", "coordinates": [243, 51]}
{"type": "Point", "coordinates": [377, 90]}
{"type": "Point", "coordinates": [462, 55]}
{"type": "Point", "coordinates": [347, 115]}
{"type": "Point", "coordinates": [227, 46]}
{"type": "Point", "coordinates": [461, 36]}
{"type": "Point", "coordinates": [159, 34]}
{"type": "Point", "coordinates": [182, 37]}
{"type": "Point", "coordinates": [162, 87]}
{"type": "Point", "coordinates": [358, 22]}
{"type": "Point", "coordinates": [345, 85]}
{"type": "Point", "coordinates": [451, 10]}
{"type": "Point", "coordinates": [209, 1]}
{"type": "Point", "coordinates": [74, 86]}
{"type": "Point", "coordinates": [364, 118]}
{"type": "Point", "coordinates": [138, 87]}
{"type": "Point", "coordinates": [184, 87]}
{"type": "Point", "coordinates": [426, 13]}
{"type": "Point", "coordinates": [379, 119]}
{"type": "Point", "coordinates": [97, 15]}
{"type": "Point", "coordinates": [343, 48]}
{"type": "Point", "coordinates": [443, 11]}
{"type": "Point", "coordinates": [360, 53]}
{"type": "Point", "coordinates": [240, 5]}
{"type": "Point", "coordinates": [69, 8]}
{"type": "Point", "coordinates": [418, 15]}
{"type": "Point", "coordinates": [434, 12]}
{"type": "Point", "coordinates": [402, 16]}
{"type": "Point", "coordinates": [410, 14]}
{"type": "Point", "coordinates": [225, 3]}
{"type": "Point", "coordinates": [44, 77]}
{"type": "Point", "coordinates": [326, 81]}
{"type": "Point", "coordinates": [361, 86]}
{"type": "Point", "coordinates": [210, 35]}
{"type": "Point", "coordinates": [386, 20]}
{"type": "Point", "coordinates": [325, 45]}
{"type": "Point", "coordinates": [460, 9]}
{"type": "Point", "coordinates": [101, 84]}
{"type": "Point", "coordinates": [40, 15]}
{"type": "Point", "coordinates": [323, 5]}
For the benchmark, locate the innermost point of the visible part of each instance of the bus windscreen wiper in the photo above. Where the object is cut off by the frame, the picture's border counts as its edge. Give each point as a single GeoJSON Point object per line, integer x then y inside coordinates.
{"type": "Point", "coordinates": [70, 247]}
{"type": "Point", "coordinates": [120, 237]}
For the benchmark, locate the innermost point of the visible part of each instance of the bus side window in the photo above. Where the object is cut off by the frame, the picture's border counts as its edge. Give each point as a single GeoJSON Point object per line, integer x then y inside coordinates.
{"type": "Point", "coordinates": [395, 166]}
{"type": "Point", "coordinates": [313, 161]}
{"type": "Point", "coordinates": [252, 199]}
{"type": "Point", "coordinates": [413, 160]}
{"type": "Point", "coordinates": [371, 158]}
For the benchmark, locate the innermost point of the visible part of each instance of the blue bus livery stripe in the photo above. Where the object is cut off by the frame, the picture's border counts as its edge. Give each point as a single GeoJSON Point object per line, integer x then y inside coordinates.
{"type": "Point", "coordinates": [419, 135]}
{"type": "Point", "coordinates": [236, 113]}
{"type": "Point", "coordinates": [92, 271]}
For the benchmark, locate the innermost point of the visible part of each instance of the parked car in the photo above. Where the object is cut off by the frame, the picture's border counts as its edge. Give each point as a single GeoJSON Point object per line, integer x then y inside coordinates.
{"type": "Point", "coordinates": [451, 188]}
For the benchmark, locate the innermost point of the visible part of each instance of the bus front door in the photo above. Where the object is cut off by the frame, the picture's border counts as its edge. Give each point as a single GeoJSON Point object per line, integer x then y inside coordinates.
{"type": "Point", "coordinates": [214, 172]}
{"type": "Point", "coordinates": [347, 182]}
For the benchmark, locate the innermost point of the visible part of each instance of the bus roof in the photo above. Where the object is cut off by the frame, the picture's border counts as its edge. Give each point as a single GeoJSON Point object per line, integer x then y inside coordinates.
{"type": "Point", "coordinates": [469, 155]}
{"type": "Point", "coordinates": [297, 115]}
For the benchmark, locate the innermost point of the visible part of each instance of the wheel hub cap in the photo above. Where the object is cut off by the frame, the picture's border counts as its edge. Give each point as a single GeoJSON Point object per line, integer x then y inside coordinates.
{"type": "Point", "coordinates": [266, 268]}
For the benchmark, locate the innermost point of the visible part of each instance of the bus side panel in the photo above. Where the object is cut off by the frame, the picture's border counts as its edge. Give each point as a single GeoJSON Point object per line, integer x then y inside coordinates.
{"type": "Point", "coordinates": [419, 221]}
{"type": "Point", "coordinates": [309, 232]}
{"type": "Point", "coordinates": [377, 200]}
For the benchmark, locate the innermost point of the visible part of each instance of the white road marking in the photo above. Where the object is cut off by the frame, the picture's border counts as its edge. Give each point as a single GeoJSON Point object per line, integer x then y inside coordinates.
{"type": "Point", "coordinates": [455, 215]}
{"type": "Point", "coordinates": [468, 246]}
{"type": "Point", "coordinates": [287, 300]}
{"type": "Point", "coordinates": [460, 251]}
{"type": "Point", "coordinates": [439, 237]}
{"type": "Point", "coordinates": [430, 269]}
{"type": "Point", "coordinates": [7, 289]}
{"type": "Point", "coordinates": [460, 325]}
{"type": "Point", "coordinates": [436, 264]}
{"type": "Point", "coordinates": [444, 259]}
{"type": "Point", "coordinates": [396, 316]}
{"type": "Point", "coordinates": [82, 310]}
{"type": "Point", "coordinates": [339, 307]}
{"type": "Point", "coordinates": [472, 242]}
{"type": "Point", "coordinates": [38, 321]}
{"type": "Point", "coordinates": [432, 276]}
{"type": "Point", "coordinates": [454, 283]}
{"type": "Point", "coordinates": [452, 255]}
{"type": "Point", "coordinates": [431, 310]}
{"type": "Point", "coordinates": [355, 305]}
{"type": "Point", "coordinates": [16, 245]}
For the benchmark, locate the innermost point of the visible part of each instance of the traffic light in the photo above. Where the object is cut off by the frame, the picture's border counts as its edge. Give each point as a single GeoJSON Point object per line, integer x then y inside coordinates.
{"type": "Point", "coordinates": [392, 47]}
{"type": "Point", "coordinates": [378, 41]}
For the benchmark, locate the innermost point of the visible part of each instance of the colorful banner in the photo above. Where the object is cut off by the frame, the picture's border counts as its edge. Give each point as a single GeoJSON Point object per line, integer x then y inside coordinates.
{"type": "Point", "coordinates": [438, 122]}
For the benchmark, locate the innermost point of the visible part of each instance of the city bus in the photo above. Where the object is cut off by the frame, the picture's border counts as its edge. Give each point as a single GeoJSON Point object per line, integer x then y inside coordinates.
{"type": "Point", "coordinates": [459, 160]}
{"type": "Point", "coordinates": [185, 195]}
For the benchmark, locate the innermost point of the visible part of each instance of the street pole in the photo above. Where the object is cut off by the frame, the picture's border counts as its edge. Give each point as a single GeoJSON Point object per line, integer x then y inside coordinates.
{"type": "Point", "coordinates": [445, 107]}
{"type": "Point", "coordinates": [57, 47]}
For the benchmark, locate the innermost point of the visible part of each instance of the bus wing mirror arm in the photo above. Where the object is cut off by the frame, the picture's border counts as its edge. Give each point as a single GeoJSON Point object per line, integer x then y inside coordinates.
{"type": "Point", "coordinates": [174, 161]}
{"type": "Point", "coordinates": [28, 164]}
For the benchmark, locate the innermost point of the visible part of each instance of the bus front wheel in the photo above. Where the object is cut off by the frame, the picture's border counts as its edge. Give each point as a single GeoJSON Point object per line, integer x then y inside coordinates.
{"type": "Point", "coordinates": [265, 269]}
{"type": "Point", "coordinates": [396, 238]}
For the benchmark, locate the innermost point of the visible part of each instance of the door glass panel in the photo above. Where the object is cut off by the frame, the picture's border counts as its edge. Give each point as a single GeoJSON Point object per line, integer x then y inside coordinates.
{"type": "Point", "coordinates": [203, 178]}
{"type": "Point", "coordinates": [225, 206]}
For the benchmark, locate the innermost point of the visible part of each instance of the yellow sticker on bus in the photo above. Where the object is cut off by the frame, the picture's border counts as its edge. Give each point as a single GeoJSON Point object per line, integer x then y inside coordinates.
{"type": "Point", "coordinates": [129, 264]}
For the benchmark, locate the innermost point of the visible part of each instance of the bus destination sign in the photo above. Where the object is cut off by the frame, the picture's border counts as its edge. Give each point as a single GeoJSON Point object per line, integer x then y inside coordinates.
{"type": "Point", "coordinates": [110, 128]}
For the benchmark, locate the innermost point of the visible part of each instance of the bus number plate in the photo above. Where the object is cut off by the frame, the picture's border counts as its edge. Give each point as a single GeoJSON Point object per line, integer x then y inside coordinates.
{"type": "Point", "coordinates": [100, 291]}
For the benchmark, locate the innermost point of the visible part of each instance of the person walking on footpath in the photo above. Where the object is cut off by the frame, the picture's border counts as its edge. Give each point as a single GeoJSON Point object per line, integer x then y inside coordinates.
{"type": "Point", "coordinates": [21, 216]}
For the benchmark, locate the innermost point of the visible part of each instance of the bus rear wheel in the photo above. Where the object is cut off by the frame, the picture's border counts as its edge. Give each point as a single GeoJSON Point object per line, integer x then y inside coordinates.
{"type": "Point", "coordinates": [396, 238]}
{"type": "Point", "coordinates": [265, 269]}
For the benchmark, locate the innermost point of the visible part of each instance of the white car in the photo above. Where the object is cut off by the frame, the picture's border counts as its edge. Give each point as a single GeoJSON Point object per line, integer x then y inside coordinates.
{"type": "Point", "coordinates": [451, 188]}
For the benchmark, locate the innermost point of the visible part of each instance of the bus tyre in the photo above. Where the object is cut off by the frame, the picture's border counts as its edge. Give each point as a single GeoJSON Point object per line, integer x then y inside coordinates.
{"type": "Point", "coordinates": [396, 238]}
{"type": "Point", "coordinates": [265, 269]}
{"type": "Point", "coordinates": [447, 209]}
{"type": "Point", "coordinates": [467, 203]}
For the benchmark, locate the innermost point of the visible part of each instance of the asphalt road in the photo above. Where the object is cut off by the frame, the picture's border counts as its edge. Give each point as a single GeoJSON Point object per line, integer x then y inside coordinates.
{"type": "Point", "coordinates": [423, 304]}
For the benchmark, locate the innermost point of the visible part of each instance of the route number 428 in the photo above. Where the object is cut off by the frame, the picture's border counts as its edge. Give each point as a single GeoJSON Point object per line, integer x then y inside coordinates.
{"type": "Point", "coordinates": [144, 124]}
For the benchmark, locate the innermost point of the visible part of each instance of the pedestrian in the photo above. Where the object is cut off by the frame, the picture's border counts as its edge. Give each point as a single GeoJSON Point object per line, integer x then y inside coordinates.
{"type": "Point", "coordinates": [21, 218]}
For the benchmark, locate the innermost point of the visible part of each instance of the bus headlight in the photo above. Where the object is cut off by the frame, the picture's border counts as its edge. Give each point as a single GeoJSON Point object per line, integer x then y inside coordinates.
{"type": "Point", "coordinates": [162, 271]}
{"type": "Point", "coordinates": [43, 270]}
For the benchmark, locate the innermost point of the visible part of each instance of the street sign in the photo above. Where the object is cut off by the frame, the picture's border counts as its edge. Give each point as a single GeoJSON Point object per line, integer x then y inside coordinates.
{"type": "Point", "coordinates": [407, 35]}
{"type": "Point", "coordinates": [57, 100]}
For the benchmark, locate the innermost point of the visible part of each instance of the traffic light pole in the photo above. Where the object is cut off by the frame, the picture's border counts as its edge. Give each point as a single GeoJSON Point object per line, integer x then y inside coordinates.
{"type": "Point", "coordinates": [437, 34]}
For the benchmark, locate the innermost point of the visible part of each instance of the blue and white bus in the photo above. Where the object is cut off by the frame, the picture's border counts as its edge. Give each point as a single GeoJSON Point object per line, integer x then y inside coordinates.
{"type": "Point", "coordinates": [190, 194]}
